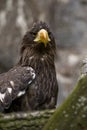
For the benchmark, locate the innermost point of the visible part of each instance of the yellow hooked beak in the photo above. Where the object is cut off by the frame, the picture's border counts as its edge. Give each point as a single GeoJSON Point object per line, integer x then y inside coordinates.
{"type": "Point", "coordinates": [42, 37]}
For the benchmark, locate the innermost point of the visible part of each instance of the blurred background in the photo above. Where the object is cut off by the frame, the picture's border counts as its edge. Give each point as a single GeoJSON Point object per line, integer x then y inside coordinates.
{"type": "Point", "coordinates": [67, 20]}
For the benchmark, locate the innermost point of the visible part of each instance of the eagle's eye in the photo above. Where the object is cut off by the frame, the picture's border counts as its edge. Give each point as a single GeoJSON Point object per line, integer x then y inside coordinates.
{"type": "Point", "coordinates": [34, 34]}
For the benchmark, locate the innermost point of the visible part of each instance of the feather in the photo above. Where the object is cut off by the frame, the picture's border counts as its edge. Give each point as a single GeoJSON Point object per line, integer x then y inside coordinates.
{"type": "Point", "coordinates": [13, 83]}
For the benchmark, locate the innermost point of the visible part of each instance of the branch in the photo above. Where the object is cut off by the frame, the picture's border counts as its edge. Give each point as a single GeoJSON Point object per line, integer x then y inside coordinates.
{"type": "Point", "coordinates": [25, 121]}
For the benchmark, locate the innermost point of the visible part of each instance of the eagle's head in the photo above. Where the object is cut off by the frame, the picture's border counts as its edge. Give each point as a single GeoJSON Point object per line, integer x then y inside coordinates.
{"type": "Point", "coordinates": [39, 38]}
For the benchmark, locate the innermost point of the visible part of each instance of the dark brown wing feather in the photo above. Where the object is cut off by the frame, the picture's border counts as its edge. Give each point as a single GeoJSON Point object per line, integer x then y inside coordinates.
{"type": "Point", "coordinates": [13, 84]}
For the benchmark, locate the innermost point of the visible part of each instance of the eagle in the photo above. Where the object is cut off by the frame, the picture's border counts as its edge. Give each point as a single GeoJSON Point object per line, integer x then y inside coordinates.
{"type": "Point", "coordinates": [13, 84]}
{"type": "Point", "coordinates": [38, 51]}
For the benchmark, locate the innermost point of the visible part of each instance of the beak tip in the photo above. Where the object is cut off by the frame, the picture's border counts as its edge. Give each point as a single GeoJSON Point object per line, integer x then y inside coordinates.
{"type": "Point", "coordinates": [49, 40]}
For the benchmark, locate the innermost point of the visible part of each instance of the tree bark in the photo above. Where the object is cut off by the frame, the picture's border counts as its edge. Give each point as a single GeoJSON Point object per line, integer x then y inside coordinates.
{"type": "Point", "coordinates": [25, 121]}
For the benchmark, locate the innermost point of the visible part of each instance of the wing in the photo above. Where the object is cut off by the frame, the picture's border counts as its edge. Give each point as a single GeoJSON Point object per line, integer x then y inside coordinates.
{"type": "Point", "coordinates": [13, 84]}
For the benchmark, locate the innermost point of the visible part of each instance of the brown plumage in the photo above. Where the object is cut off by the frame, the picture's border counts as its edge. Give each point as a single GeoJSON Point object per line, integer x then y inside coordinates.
{"type": "Point", "coordinates": [38, 50]}
{"type": "Point", "coordinates": [13, 84]}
